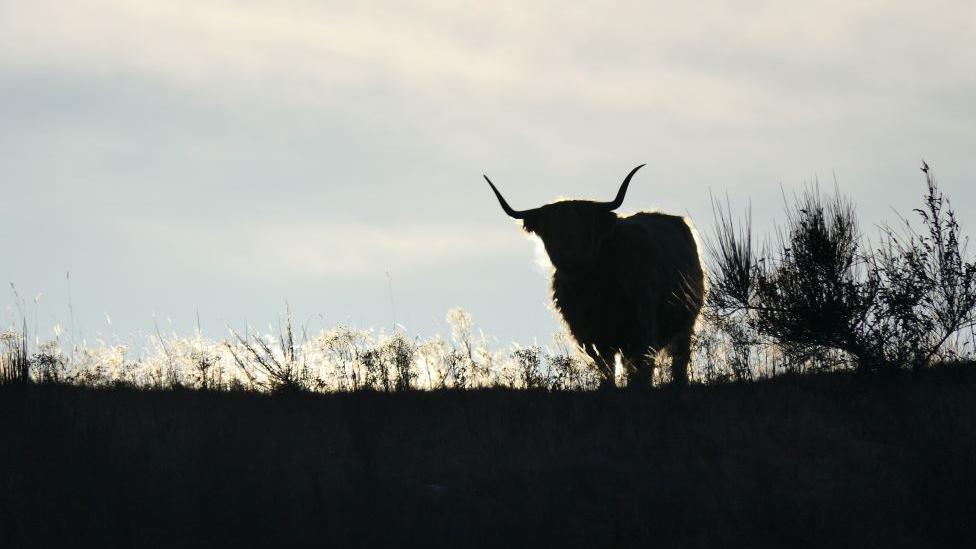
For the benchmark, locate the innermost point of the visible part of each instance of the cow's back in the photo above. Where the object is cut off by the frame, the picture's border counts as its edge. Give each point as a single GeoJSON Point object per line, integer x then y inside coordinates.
{"type": "Point", "coordinates": [655, 259]}
{"type": "Point", "coordinates": [653, 244]}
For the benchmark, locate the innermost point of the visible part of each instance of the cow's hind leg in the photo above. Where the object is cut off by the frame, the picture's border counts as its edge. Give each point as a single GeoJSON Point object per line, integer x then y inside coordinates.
{"type": "Point", "coordinates": [680, 351]}
{"type": "Point", "coordinates": [640, 370]}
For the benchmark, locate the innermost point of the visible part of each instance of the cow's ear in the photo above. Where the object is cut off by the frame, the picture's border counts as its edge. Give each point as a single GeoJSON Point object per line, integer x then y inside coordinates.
{"type": "Point", "coordinates": [530, 223]}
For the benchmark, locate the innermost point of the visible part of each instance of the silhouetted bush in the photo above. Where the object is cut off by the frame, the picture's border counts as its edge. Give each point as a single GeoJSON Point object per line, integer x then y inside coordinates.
{"type": "Point", "coordinates": [528, 362]}
{"type": "Point", "coordinates": [396, 356]}
{"type": "Point", "coordinates": [825, 299]}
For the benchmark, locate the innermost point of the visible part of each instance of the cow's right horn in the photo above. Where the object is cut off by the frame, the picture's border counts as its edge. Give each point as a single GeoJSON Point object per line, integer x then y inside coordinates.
{"type": "Point", "coordinates": [617, 202]}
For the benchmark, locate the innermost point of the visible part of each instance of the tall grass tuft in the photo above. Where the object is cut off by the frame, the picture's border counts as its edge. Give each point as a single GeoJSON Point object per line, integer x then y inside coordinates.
{"type": "Point", "coordinates": [275, 366]}
{"type": "Point", "coordinates": [14, 361]}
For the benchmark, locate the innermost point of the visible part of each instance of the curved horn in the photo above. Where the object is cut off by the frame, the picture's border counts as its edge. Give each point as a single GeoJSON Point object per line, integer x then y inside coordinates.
{"type": "Point", "coordinates": [617, 202]}
{"type": "Point", "coordinates": [501, 200]}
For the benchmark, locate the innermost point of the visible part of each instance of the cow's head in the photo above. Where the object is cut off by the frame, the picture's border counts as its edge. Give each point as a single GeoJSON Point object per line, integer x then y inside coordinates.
{"type": "Point", "coordinates": [572, 231]}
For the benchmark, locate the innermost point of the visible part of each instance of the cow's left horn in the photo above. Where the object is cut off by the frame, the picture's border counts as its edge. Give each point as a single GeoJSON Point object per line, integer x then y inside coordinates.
{"type": "Point", "coordinates": [501, 200]}
{"type": "Point", "coordinates": [617, 202]}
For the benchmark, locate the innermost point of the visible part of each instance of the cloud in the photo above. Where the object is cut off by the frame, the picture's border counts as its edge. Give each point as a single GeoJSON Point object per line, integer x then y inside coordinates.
{"type": "Point", "coordinates": [693, 65]}
{"type": "Point", "coordinates": [541, 83]}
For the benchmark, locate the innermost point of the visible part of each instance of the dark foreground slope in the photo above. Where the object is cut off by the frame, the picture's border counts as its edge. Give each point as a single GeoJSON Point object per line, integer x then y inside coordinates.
{"type": "Point", "coordinates": [839, 460]}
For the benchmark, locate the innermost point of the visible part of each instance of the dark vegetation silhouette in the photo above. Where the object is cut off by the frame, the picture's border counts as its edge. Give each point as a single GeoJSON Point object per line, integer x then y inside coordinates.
{"type": "Point", "coordinates": [871, 446]}
{"type": "Point", "coordinates": [630, 285]}
{"type": "Point", "coordinates": [824, 297]}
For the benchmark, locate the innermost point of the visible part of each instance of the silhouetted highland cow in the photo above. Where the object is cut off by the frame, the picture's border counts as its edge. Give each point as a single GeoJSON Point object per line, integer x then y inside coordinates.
{"type": "Point", "coordinates": [632, 285]}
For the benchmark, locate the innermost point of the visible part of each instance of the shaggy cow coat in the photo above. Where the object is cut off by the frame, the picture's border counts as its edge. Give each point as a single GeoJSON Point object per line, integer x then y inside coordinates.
{"type": "Point", "coordinates": [641, 294]}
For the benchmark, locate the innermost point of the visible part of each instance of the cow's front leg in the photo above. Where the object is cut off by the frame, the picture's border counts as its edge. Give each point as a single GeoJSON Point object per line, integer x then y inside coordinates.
{"type": "Point", "coordinates": [604, 365]}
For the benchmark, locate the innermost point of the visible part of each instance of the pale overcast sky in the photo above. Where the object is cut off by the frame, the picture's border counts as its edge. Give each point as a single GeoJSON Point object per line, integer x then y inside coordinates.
{"type": "Point", "coordinates": [224, 157]}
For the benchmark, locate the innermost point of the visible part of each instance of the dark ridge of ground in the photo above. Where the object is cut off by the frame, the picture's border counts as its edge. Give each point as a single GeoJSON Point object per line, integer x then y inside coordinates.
{"type": "Point", "coordinates": [831, 460]}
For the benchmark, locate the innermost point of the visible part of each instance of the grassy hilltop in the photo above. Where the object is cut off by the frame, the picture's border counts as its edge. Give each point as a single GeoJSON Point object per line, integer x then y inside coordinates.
{"type": "Point", "coordinates": [839, 459]}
